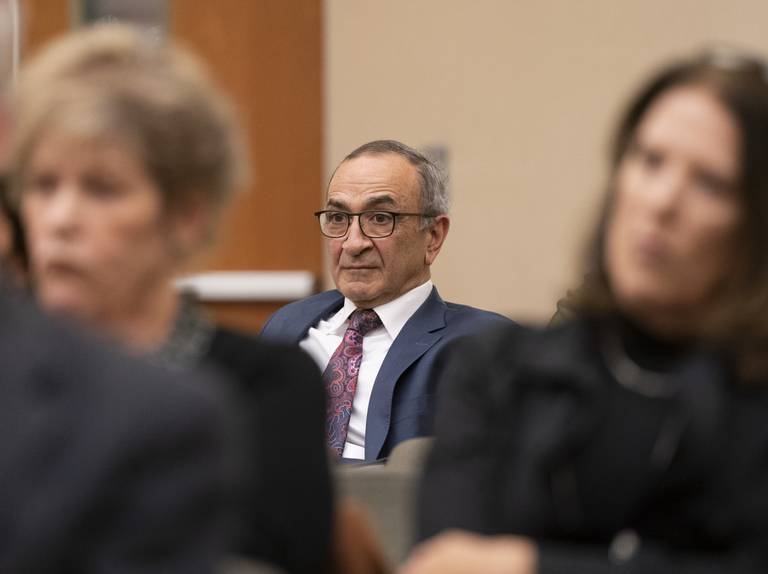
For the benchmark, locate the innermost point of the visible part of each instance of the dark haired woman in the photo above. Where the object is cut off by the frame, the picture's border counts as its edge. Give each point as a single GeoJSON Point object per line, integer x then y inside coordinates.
{"type": "Point", "coordinates": [632, 437]}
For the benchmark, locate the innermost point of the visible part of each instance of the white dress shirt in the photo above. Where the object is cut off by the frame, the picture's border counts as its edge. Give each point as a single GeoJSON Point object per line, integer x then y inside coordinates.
{"type": "Point", "coordinates": [323, 339]}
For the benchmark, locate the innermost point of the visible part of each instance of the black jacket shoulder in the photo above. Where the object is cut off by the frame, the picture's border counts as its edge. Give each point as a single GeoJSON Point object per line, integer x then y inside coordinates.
{"type": "Point", "coordinates": [288, 505]}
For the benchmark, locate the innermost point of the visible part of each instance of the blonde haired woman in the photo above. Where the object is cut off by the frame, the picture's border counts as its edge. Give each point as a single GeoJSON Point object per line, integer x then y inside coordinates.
{"type": "Point", "coordinates": [124, 155]}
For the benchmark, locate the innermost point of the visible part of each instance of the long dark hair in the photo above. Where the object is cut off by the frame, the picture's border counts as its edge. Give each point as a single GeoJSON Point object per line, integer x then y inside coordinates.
{"type": "Point", "coordinates": [739, 318]}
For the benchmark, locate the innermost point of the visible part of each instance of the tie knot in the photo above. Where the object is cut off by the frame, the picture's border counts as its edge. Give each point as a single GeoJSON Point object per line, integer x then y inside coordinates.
{"type": "Point", "coordinates": [364, 321]}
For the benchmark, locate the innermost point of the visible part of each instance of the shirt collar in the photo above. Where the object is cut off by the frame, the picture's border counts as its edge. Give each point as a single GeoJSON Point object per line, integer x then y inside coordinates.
{"type": "Point", "coordinates": [394, 315]}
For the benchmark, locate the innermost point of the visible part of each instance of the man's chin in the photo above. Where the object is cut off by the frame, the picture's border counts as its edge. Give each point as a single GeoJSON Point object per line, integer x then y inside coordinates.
{"type": "Point", "coordinates": [359, 294]}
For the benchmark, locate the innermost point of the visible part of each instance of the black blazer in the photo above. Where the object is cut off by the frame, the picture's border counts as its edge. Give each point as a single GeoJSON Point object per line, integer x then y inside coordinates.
{"type": "Point", "coordinates": [288, 502]}
{"type": "Point", "coordinates": [106, 464]}
{"type": "Point", "coordinates": [535, 437]}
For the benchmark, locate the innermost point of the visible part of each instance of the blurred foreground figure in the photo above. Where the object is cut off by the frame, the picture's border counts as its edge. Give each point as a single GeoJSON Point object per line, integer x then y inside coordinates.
{"type": "Point", "coordinates": [106, 465]}
{"type": "Point", "coordinates": [633, 437]}
{"type": "Point", "coordinates": [124, 156]}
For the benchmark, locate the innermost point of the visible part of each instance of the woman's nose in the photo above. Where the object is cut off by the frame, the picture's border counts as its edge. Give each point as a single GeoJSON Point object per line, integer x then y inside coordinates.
{"type": "Point", "coordinates": [60, 210]}
{"type": "Point", "coordinates": [667, 189]}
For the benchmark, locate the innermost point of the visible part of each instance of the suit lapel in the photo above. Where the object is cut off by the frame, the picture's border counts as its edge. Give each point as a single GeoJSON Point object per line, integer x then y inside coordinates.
{"type": "Point", "coordinates": [320, 310]}
{"type": "Point", "coordinates": [420, 333]}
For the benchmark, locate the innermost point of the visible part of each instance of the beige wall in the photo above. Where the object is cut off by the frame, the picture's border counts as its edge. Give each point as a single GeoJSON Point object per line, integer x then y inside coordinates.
{"type": "Point", "coordinates": [523, 94]}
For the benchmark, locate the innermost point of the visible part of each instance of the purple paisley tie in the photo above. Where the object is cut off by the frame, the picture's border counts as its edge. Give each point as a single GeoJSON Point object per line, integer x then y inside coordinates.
{"type": "Point", "coordinates": [340, 376]}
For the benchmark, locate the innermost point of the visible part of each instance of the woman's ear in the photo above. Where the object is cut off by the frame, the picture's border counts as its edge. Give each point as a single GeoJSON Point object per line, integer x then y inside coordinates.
{"type": "Point", "coordinates": [191, 226]}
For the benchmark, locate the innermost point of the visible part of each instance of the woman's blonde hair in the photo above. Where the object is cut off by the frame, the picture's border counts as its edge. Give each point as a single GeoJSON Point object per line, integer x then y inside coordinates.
{"type": "Point", "coordinates": [115, 82]}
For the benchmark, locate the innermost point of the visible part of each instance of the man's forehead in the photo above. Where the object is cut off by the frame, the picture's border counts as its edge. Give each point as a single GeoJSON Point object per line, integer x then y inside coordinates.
{"type": "Point", "coordinates": [375, 176]}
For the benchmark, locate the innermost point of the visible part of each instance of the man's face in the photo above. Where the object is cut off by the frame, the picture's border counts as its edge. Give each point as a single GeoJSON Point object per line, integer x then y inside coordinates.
{"type": "Point", "coordinates": [371, 272]}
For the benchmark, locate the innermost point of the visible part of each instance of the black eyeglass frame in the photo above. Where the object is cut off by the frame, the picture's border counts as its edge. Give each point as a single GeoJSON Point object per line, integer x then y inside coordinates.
{"type": "Point", "coordinates": [350, 215]}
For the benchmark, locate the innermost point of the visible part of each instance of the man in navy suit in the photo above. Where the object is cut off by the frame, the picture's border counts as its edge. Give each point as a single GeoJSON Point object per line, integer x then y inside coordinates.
{"type": "Point", "coordinates": [385, 220]}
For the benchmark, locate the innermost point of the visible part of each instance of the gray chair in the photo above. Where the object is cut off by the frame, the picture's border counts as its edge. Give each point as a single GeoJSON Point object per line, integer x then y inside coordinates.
{"type": "Point", "coordinates": [409, 456]}
{"type": "Point", "coordinates": [388, 492]}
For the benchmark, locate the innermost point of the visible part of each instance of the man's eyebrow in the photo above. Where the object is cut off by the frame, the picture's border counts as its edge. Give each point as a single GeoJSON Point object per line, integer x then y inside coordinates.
{"type": "Point", "coordinates": [371, 203]}
{"type": "Point", "coordinates": [335, 204]}
{"type": "Point", "coordinates": [380, 201]}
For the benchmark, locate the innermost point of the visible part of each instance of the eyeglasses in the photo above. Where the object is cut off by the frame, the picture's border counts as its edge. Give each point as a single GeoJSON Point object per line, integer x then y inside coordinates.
{"type": "Point", "coordinates": [373, 224]}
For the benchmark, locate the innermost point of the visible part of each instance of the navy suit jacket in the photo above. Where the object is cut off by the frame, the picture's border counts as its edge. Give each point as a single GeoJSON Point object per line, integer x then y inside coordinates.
{"type": "Point", "coordinates": [403, 398]}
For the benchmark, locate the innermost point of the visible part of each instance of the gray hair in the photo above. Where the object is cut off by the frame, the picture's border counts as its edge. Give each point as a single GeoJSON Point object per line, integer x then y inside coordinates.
{"type": "Point", "coordinates": [434, 194]}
